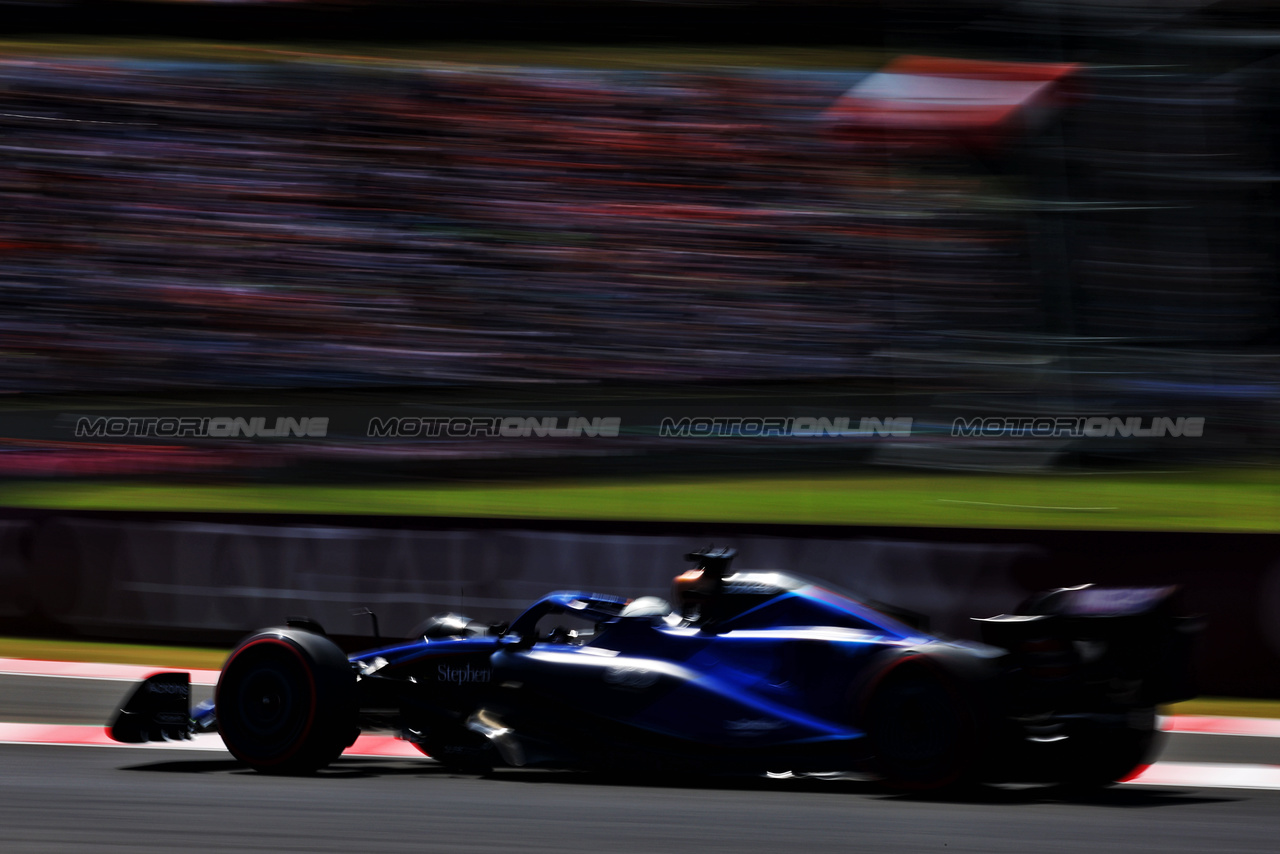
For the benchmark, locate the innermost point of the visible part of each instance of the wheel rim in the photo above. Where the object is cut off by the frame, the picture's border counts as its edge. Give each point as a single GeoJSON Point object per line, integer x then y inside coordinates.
{"type": "Point", "coordinates": [266, 702]}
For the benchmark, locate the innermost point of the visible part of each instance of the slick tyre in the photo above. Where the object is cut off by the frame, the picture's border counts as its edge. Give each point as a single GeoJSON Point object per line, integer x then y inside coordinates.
{"type": "Point", "coordinates": [285, 702]}
{"type": "Point", "coordinates": [1099, 757]}
{"type": "Point", "coordinates": [919, 726]}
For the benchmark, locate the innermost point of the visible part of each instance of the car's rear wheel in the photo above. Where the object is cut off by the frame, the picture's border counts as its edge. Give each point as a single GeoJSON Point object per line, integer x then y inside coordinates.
{"type": "Point", "coordinates": [286, 702]}
{"type": "Point", "coordinates": [1100, 756]}
{"type": "Point", "coordinates": [919, 726]}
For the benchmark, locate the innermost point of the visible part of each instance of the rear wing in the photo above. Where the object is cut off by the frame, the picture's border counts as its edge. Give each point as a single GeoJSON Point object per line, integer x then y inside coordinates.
{"type": "Point", "coordinates": [1129, 643]}
{"type": "Point", "coordinates": [1089, 600]}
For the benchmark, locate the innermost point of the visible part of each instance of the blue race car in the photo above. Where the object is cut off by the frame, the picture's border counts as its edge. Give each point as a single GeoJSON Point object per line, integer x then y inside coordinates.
{"type": "Point", "coordinates": [749, 672]}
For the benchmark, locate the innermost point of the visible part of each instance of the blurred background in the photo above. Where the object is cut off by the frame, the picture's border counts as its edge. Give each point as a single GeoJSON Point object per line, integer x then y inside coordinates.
{"type": "Point", "coordinates": [958, 209]}
{"type": "Point", "coordinates": [642, 211]}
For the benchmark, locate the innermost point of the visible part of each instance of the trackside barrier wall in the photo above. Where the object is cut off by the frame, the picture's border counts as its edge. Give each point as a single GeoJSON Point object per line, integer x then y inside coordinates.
{"type": "Point", "coordinates": [15, 571]}
{"type": "Point", "coordinates": [110, 578]}
{"type": "Point", "coordinates": [149, 579]}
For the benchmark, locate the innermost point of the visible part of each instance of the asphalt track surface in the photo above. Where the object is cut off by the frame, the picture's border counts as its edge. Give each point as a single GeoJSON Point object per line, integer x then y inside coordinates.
{"type": "Point", "coordinates": [41, 699]}
{"type": "Point", "coordinates": [70, 799]}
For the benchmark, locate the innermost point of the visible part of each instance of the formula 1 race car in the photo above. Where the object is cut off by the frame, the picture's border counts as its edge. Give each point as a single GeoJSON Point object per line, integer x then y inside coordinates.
{"type": "Point", "coordinates": [749, 672]}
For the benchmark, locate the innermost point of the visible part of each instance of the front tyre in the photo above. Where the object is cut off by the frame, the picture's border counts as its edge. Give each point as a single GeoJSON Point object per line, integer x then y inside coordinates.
{"type": "Point", "coordinates": [286, 702]}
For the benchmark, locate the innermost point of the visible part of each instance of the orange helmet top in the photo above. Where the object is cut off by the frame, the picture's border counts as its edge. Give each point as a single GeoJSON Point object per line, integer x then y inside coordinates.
{"type": "Point", "coordinates": [694, 587]}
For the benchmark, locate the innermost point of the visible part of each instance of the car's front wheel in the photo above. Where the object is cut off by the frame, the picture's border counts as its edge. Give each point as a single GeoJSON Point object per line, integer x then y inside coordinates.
{"type": "Point", "coordinates": [285, 702]}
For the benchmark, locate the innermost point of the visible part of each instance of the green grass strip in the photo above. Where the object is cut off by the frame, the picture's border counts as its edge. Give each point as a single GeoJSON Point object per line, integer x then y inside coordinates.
{"type": "Point", "coordinates": [1244, 500]}
{"type": "Point", "coordinates": [177, 657]}
{"type": "Point", "coordinates": [656, 57]}
{"type": "Point", "coordinates": [1227, 707]}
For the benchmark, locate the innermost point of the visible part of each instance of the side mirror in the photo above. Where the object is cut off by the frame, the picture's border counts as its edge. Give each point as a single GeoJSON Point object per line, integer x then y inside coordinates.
{"type": "Point", "coordinates": [517, 643]}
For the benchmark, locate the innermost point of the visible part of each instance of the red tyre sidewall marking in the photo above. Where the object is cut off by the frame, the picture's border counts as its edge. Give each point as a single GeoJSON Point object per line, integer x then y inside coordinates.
{"type": "Point", "coordinates": [869, 690]}
{"type": "Point", "coordinates": [311, 684]}
{"type": "Point", "coordinates": [1137, 772]}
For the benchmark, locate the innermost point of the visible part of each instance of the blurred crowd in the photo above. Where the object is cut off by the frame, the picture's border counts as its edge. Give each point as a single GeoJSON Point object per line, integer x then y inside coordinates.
{"type": "Point", "coordinates": [206, 224]}
{"type": "Point", "coordinates": [1176, 175]}
{"type": "Point", "coordinates": [200, 224]}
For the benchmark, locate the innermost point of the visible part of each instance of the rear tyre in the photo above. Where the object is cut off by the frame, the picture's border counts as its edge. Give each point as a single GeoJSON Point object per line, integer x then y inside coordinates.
{"type": "Point", "coordinates": [286, 702]}
{"type": "Point", "coordinates": [1099, 756]}
{"type": "Point", "coordinates": [919, 726]}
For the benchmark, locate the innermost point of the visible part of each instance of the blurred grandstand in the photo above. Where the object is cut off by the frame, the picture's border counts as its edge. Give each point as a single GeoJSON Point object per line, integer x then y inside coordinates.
{"type": "Point", "coordinates": [198, 227]}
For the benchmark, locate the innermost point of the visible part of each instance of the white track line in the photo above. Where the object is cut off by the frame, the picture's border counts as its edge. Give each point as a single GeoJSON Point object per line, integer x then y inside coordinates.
{"type": "Point", "coordinates": [1206, 725]}
{"type": "Point", "coordinates": [1210, 775]}
{"type": "Point", "coordinates": [87, 670]}
{"type": "Point", "coordinates": [80, 735]}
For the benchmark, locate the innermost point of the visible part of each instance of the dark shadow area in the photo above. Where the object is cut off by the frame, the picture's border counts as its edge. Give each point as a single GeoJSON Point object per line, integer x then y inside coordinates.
{"type": "Point", "coordinates": [356, 768]}
{"type": "Point", "coordinates": [344, 769]}
{"type": "Point", "coordinates": [1117, 796]}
